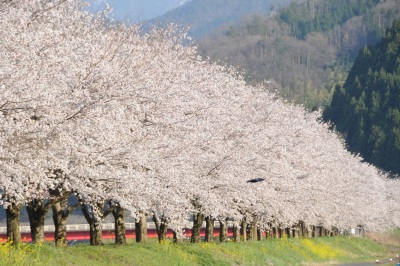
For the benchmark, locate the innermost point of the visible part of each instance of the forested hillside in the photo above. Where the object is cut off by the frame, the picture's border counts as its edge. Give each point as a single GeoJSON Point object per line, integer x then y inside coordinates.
{"type": "Point", "coordinates": [204, 16]}
{"type": "Point", "coordinates": [305, 17]}
{"type": "Point", "coordinates": [366, 109]}
{"type": "Point", "coordinates": [307, 47]}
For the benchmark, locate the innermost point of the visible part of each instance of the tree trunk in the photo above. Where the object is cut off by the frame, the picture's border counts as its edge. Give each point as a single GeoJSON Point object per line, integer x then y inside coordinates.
{"type": "Point", "coordinates": [243, 230]}
{"type": "Point", "coordinates": [13, 212]}
{"type": "Point", "coordinates": [309, 231]}
{"type": "Point", "coordinates": [61, 212]}
{"type": "Point", "coordinates": [317, 231]}
{"type": "Point", "coordinates": [60, 224]}
{"type": "Point", "coordinates": [96, 234]}
{"type": "Point", "coordinates": [119, 222]}
{"type": "Point", "coordinates": [268, 233]}
{"type": "Point", "coordinates": [278, 233]}
{"type": "Point", "coordinates": [236, 233]}
{"type": "Point", "coordinates": [287, 232]}
{"type": "Point", "coordinates": [161, 227]}
{"type": "Point", "coordinates": [95, 224]}
{"type": "Point", "coordinates": [223, 230]}
{"type": "Point", "coordinates": [296, 231]}
{"type": "Point", "coordinates": [197, 224]}
{"type": "Point", "coordinates": [260, 234]}
{"type": "Point", "coordinates": [303, 230]}
{"type": "Point", "coordinates": [141, 229]}
{"type": "Point", "coordinates": [290, 229]}
{"type": "Point", "coordinates": [209, 229]}
{"type": "Point", "coordinates": [253, 229]}
{"type": "Point", "coordinates": [37, 210]}
{"type": "Point", "coordinates": [177, 239]}
{"type": "Point", "coordinates": [118, 213]}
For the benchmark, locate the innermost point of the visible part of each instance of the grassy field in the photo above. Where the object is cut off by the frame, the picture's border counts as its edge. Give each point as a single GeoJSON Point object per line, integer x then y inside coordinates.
{"type": "Point", "coordinates": [319, 251]}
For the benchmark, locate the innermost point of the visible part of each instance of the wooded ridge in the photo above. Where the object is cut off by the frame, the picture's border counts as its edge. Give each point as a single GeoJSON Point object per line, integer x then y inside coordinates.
{"type": "Point", "coordinates": [366, 109]}
{"type": "Point", "coordinates": [306, 48]}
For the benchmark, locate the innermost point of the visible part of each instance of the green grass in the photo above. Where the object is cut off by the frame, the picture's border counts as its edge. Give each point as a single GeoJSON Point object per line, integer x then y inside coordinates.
{"type": "Point", "coordinates": [318, 251]}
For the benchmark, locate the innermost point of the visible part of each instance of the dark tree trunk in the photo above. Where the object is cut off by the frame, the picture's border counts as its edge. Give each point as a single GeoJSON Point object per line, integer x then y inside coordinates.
{"type": "Point", "coordinates": [209, 229]}
{"type": "Point", "coordinates": [96, 234]}
{"type": "Point", "coordinates": [276, 231]}
{"type": "Point", "coordinates": [334, 231]}
{"type": "Point", "coordinates": [61, 212]}
{"type": "Point", "coordinates": [243, 230]}
{"type": "Point", "coordinates": [236, 233]}
{"type": "Point", "coordinates": [317, 231]}
{"type": "Point", "coordinates": [281, 232]}
{"type": "Point", "coordinates": [60, 224]}
{"type": "Point", "coordinates": [119, 222]}
{"type": "Point", "coordinates": [13, 212]}
{"type": "Point", "coordinates": [141, 229]}
{"type": "Point", "coordinates": [286, 232]}
{"type": "Point", "coordinates": [314, 231]}
{"type": "Point", "coordinates": [303, 230]}
{"type": "Point", "coordinates": [161, 227]}
{"type": "Point", "coordinates": [309, 230]}
{"type": "Point", "coordinates": [197, 224]}
{"type": "Point", "coordinates": [118, 213]}
{"type": "Point", "coordinates": [260, 234]}
{"type": "Point", "coordinates": [95, 224]}
{"type": "Point", "coordinates": [253, 229]}
{"type": "Point", "coordinates": [37, 210]}
{"type": "Point", "coordinates": [223, 230]}
{"type": "Point", "coordinates": [267, 233]}
{"type": "Point", "coordinates": [177, 239]}
{"type": "Point", "coordinates": [296, 230]}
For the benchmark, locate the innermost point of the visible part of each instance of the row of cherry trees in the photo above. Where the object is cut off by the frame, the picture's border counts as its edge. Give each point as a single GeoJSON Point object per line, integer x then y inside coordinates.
{"type": "Point", "coordinates": [127, 120]}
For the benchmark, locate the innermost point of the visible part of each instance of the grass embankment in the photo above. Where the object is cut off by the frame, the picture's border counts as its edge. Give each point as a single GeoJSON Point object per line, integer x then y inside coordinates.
{"type": "Point", "coordinates": [319, 251]}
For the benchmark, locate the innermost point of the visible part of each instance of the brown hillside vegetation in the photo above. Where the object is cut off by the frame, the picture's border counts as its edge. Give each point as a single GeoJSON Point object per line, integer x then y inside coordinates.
{"type": "Point", "coordinates": [307, 69]}
{"type": "Point", "coordinates": [390, 239]}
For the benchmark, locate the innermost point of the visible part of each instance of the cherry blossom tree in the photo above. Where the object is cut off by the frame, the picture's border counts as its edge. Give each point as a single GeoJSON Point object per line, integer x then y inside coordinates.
{"type": "Point", "coordinates": [137, 121]}
{"type": "Point", "coordinates": [55, 53]}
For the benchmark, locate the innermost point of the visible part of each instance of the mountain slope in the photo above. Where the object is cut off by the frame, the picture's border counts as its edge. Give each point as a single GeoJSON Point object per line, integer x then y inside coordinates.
{"type": "Point", "coordinates": [137, 10]}
{"type": "Point", "coordinates": [367, 108]}
{"type": "Point", "coordinates": [307, 47]}
{"type": "Point", "coordinates": [205, 15]}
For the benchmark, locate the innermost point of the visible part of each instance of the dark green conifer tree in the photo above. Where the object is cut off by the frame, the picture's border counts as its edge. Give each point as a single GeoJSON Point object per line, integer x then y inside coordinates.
{"type": "Point", "coordinates": [366, 109]}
